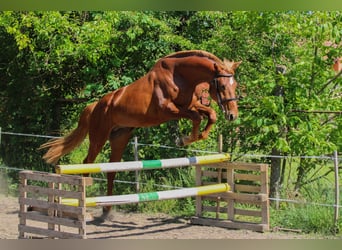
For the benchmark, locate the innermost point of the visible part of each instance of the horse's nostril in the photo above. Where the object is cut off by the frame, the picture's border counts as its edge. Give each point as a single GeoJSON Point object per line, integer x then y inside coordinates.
{"type": "Point", "coordinates": [230, 117]}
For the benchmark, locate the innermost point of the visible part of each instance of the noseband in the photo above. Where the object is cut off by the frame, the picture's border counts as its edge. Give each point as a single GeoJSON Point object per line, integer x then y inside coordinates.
{"type": "Point", "coordinates": [221, 101]}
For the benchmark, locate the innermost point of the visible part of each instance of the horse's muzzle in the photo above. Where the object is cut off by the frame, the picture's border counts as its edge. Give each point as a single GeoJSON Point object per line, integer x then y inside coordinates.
{"type": "Point", "coordinates": [230, 116]}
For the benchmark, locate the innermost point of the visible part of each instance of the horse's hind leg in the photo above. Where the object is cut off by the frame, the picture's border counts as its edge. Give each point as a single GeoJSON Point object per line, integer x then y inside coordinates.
{"type": "Point", "coordinates": [96, 143]}
{"type": "Point", "coordinates": [118, 141]}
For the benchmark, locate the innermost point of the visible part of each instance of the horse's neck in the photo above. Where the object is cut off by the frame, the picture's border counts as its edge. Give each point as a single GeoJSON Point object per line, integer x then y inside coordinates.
{"type": "Point", "coordinates": [196, 70]}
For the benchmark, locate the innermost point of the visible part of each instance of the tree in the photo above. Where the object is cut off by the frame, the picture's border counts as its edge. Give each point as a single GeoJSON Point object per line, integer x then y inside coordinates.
{"type": "Point", "coordinates": [57, 62]}
{"type": "Point", "coordinates": [268, 121]}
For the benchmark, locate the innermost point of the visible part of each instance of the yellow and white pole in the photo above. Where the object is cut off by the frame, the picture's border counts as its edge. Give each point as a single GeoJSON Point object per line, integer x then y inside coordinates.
{"type": "Point", "coordinates": [140, 165]}
{"type": "Point", "coordinates": [151, 196]}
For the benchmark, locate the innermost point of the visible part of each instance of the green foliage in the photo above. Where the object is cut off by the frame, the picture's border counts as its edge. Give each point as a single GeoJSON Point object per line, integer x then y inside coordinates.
{"type": "Point", "coordinates": [309, 219]}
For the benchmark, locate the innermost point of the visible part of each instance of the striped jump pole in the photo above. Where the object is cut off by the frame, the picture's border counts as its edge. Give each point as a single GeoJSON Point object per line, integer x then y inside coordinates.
{"type": "Point", "coordinates": [151, 196]}
{"type": "Point", "coordinates": [140, 165]}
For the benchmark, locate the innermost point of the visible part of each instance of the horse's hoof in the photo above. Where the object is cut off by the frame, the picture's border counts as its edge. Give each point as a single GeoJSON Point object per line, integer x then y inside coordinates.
{"type": "Point", "coordinates": [89, 217]}
{"type": "Point", "coordinates": [107, 217]}
{"type": "Point", "coordinates": [107, 214]}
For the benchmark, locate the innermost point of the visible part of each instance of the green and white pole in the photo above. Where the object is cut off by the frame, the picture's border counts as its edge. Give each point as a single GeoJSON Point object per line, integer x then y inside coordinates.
{"type": "Point", "coordinates": [140, 165]}
{"type": "Point", "coordinates": [151, 196]}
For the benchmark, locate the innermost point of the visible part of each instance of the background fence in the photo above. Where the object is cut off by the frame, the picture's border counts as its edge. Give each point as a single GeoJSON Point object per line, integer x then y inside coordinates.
{"type": "Point", "coordinates": [333, 181]}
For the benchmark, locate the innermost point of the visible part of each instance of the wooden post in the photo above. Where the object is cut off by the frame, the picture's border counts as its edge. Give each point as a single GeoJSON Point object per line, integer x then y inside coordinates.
{"type": "Point", "coordinates": [59, 213]}
{"type": "Point", "coordinates": [23, 206]}
{"type": "Point", "coordinates": [337, 193]}
{"type": "Point", "coordinates": [265, 212]}
{"type": "Point", "coordinates": [136, 158]}
{"type": "Point", "coordinates": [198, 198]}
{"type": "Point", "coordinates": [230, 206]}
{"type": "Point", "coordinates": [219, 177]}
{"type": "Point", "coordinates": [82, 204]}
{"type": "Point", "coordinates": [51, 210]}
{"type": "Point", "coordinates": [220, 143]}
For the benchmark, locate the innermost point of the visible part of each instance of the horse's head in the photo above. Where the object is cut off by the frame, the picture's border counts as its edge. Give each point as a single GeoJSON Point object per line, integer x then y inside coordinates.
{"type": "Point", "coordinates": [223, 88]}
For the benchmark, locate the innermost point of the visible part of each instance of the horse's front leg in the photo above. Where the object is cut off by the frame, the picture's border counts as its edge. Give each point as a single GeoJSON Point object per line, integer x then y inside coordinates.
{"type": "Point", "coordinates": [201, 111]}
{"type": "Point", "coordinates": [194, 136]}
{"type": "Point", "coordinates": [211, 115]}
{"type": "Point", "coordinates": [195, 114]}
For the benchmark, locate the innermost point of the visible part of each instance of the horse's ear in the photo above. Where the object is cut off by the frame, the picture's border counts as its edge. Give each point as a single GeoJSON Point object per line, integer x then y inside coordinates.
{"type": "Point", "coordinates": [236, 65]}
{"type": "Point", "coordinates": [216, 67]}
{"type": "Point", "coordinates": [232, 65]}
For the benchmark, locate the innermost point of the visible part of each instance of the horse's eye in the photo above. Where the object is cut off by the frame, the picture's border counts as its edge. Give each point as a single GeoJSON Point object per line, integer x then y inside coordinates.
{"type": "Point", "coordinates": [222, 88]}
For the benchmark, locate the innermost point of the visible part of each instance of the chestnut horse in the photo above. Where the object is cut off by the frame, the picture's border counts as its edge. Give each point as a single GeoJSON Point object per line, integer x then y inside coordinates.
{"type": "Point", "coordinates": [169, 91]}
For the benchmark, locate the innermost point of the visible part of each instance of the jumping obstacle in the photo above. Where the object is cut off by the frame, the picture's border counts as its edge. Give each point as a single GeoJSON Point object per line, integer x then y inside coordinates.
{"type": "Point", "coordinates": [246, 206]}
{"type": "Point", "coordinates": [41, 213]}
{"type": "Point", "coordinates": [214, 205]}
{"type": "Point", "coordinates": [151, 196]}
{"type": "Point", "coordinates": [140, 165]}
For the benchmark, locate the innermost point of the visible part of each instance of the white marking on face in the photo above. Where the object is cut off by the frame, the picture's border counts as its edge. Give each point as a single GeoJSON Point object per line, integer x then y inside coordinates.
{"type": "Point", "coordinates": [231, 80]}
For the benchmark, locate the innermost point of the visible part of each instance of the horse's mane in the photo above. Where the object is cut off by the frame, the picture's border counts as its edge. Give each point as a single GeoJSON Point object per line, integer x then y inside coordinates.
{"type": "Point", "coordinates": [200, 53]}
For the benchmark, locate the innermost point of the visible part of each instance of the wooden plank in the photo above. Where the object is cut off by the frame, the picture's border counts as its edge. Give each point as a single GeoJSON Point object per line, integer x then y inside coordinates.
{"type": "Point", "coordinates": [246, 212]}
{"type": "Point", "coordinates": [49, 177]}
{"type": "Point", "coordinates": [213, 197]}
{"type": "Point", "coordinates": [61, 214]}
{"type": "Point", "coordinates": [212, 174]}
{"type": "Point", "coordinates": [57, 178]}
{"type": "Point", "coordinates": [247, 177]}
{"type": "Point", "coordinates": [215, 165]}
{"type": "Point", "coordinates": [205, 183]}
{"type": "Point", "coordinates": [45, 205]}
{"type": "Point", "coordinates": [229, 224]}
{"type": "Point", "coordinates": [209, 173]}
{"type": "Point", "coordinates": [255, 203]}
{"type": "Point", "coordinates": [52, 219]}
{"type": "Point", "coordinates": [49, 191]}
{"type": "Point", "coordinates": [245, 197]}
{"type": "Point", "coordinates": [247, 188]}
{"type": "Point", "coordinates": [49, 233]}
{"type": "Point", "coordinates": [245, 166]}
{"type": "Point", "coordinates": [239, 166]}
{"type": "Point", "coordinates": [214, 209]}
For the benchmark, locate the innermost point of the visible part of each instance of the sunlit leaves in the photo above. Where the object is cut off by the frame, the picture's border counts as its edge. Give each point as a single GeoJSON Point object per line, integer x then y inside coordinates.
{"type": "Point", "coordinates": [61, 58]}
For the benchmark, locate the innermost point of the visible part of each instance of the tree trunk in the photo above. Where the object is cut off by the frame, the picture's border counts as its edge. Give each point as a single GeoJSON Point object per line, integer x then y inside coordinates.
{"type": "Point", "coordinates": [275, 180]}
{"type": "Point", "coordinates": [300, 175]}
{"type": "Point", "coordinates": [276, 166]}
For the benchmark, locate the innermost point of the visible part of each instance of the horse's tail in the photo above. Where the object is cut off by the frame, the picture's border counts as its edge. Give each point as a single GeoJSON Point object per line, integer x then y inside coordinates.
{"type": "Point", "coordinates": [61, 146]}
